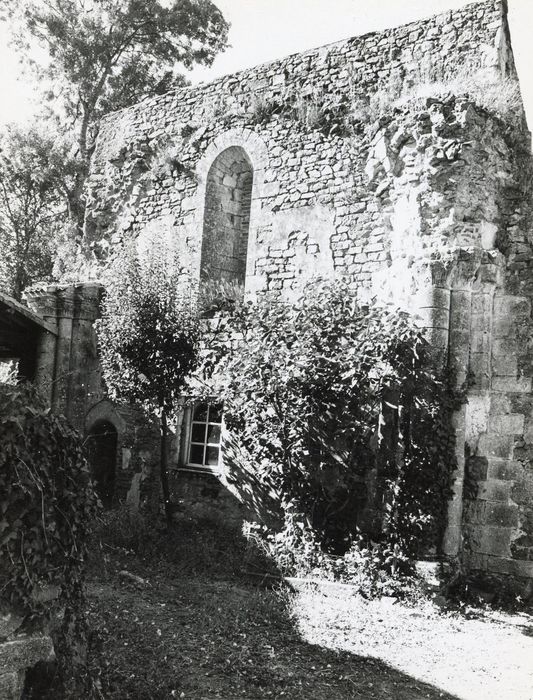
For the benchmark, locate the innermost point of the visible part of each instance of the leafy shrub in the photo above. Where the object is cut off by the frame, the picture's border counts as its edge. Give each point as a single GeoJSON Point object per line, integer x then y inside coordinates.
{"type": "Point", "coordinates": [148, 333]}
{"type": "Point", "coordinates": [46, 506]}
{"type": "Point", "coordinates": [373, 569]}
{"type": "Point", "coordinates": [377, 569]}
{"type": "Point", "coordinates": [321, 395]}
{"type": "Point", "coordinates": [124, 528]}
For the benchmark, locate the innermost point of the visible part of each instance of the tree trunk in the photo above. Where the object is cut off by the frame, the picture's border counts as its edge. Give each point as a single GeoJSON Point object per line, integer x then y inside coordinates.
{"type": "Point", "coordinates": [164, 467]}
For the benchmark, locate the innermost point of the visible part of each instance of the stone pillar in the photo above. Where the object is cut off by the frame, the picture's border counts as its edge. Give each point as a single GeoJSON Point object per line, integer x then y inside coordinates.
{"type": "Point", "coordinates": [432, 306]}
{"type": "Point", "coordinates": [43, 303]}
{"type": "Point", "coordinates": [458, 354]}
{"type": "Point", "coordinates": [65, 312]}
{"type": "Point", "coordinates": [85, 386]}
{"type": "Point", "coordinates": [68, 366]}
{"type": "Point", "coordinates": [45, 365]}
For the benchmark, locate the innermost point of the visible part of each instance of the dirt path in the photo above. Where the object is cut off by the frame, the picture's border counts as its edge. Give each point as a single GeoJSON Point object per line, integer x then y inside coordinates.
{"type": "Point", "coordinates": [197, 639]}
{"type": "Point", "coordinates": [487, 656]}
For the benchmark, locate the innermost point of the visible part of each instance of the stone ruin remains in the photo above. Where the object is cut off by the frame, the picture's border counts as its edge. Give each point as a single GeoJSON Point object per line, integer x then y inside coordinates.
{"type": "Point", "coordinates": [363, 159]}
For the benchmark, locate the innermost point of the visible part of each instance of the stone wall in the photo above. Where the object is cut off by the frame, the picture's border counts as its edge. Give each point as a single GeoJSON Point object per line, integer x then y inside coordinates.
{"type": "Point", "coordinates": [150, 167]}
{"type": "Point", "coordinates": [422, 202]}
{"type": "Point", "coordinates": [18, 652]}
{"type": "Point", "coordinates": [69, 374]}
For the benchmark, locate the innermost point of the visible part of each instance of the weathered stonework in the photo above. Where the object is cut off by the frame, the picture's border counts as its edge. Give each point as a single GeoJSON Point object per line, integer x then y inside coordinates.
{"type": "Point", "coordinates": [18, 652]}
{"type": "Point", "coordinates": [68, 372]}
{"type": "Point", "coordinates": [424, 205]}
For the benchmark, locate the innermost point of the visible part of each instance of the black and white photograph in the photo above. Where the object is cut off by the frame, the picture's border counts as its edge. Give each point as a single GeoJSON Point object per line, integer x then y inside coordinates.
{"type": "Point", "coordinates": [266, 350]}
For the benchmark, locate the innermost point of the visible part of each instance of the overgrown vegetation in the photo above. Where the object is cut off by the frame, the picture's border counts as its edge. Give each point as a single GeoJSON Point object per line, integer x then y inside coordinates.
{"type": "Point", "coordinates": [35, 173]}
{"type": "Point", "coordinates": [203, 631]}
{"type": "Point", "coordinates": [46, 507]}
{"type": "Point", "coordinates": [498, 95]}
{"type": "Point", "coordinates": [87, 77]}
{"type": "Point", "coordinates": [335, 420]}
{"type": "Point", "coordinates": [318, 110]}
{"type": "Point", "coordinates": [338, 115]}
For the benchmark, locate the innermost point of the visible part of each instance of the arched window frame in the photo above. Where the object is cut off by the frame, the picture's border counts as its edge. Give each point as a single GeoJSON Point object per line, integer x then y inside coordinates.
{"type": "Point", "coordinates": [256, 152]}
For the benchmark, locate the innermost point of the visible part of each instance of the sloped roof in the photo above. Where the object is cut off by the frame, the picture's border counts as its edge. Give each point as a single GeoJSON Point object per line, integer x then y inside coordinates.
{"type": "Point", "coordinates": [19, 326]}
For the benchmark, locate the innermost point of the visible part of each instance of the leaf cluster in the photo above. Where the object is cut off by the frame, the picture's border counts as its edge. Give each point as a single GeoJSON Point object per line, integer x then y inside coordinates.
{"type": "Point", "coordinates": [321, 394]}
{"type": "Point", "coordinates": [149, 329]}
{"type": "Point", "coordinates": [104, 54]}
{"type": "Point", "coordinates": [35, 176]}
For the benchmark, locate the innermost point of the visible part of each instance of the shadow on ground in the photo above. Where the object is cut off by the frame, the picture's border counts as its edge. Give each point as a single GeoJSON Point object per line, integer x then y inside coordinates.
{"type": "Point", "coordinates": [177, 615]}
{"type": "Point", "coordinates": [201, 626]}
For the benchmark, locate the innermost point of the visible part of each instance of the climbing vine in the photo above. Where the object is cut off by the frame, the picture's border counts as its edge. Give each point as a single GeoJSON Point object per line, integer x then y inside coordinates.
{"type": "Point", "coordinates": [46, 507]}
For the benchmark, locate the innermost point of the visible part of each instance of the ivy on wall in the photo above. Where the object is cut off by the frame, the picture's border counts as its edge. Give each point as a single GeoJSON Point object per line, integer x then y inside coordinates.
{"type": "Point", "coordinates": [47, 505]}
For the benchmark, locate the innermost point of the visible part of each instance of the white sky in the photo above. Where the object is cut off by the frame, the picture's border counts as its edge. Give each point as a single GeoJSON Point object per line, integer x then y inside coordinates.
{"type": "Point", "coordinates": [263, 30]}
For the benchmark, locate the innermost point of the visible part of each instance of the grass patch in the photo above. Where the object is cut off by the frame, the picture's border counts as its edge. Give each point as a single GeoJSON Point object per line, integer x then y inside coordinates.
{"type": "Point", "coordinates": [186, 624]}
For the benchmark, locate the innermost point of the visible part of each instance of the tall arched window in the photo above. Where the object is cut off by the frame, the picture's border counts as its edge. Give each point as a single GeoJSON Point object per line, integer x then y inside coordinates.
{"type": "Point", "coordinates": [227, 217]}
{"type": "Point", "coordinates": [102, 441]}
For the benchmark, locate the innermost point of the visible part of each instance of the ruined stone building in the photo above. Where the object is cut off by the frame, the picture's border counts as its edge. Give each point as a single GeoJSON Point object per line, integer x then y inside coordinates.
{"type": "Point", "coordinates": [399, 159]}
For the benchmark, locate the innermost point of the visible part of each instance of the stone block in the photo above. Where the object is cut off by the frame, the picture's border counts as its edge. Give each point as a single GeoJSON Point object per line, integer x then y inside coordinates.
{"type": "Point", "coordinates": [24, 652]}
{"type": "Point", "coordinates": [480, 342]}
{"type": "Point", "coordinates": [512, 384]}
{"type": "Point", "coordinates": [522, 568]}
{"type": "Point", "coordinates": [499, 403]}
{"type": "Point", "coordinates": [500, 446]}
{"type": "Point", "coordinates": [502, 469]}
{"type": "Point", "coordinates": [460, 312]}
{"type": "Point", "coordinates": [501, 515]}
{"type": "Point", "coordinates": [493, 490]}
{"type": "Point", "coordinates": [490, 540]}
{"type": "Point", "coordinates": [505, 346]}
{"type": "Point", "coordinates": [477, 468]}
{"type": "Point", "coordinates": [481, 304]}
{"type": "Point", "coordinates": [474, 512]}
{"type": "Point", "coordinates": [479, 367]}
{"type": "Point", "coordinates": [452, 540]}
{"type": "Point", "coordinates": [507, 423]}
{"type": "Point", "coordinates": [504, 365]}
{"type": "Point", "coordinates": [522, 491]}
{"type": "Point", "coordinates": [511, 306]}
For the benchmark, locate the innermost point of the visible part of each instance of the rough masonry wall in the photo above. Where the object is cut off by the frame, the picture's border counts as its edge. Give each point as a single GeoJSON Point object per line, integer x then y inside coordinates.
{"type": "Point", "coordinates": [423, 205]}
{"type": "Point", "coordinates": [151, 163]}
{"type": "Point", "coordinates": [69, 374]}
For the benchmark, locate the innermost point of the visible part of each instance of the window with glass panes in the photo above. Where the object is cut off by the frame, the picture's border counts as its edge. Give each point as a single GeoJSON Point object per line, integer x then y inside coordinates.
{"type": "Point", "coordinates": [206, 427]}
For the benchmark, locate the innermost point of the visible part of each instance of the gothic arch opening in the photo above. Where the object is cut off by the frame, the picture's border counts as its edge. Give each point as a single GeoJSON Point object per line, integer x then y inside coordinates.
{"type": "Point", "coordinates": [101, 444]}
{"type": "Point", "coordinates": [227, 217]}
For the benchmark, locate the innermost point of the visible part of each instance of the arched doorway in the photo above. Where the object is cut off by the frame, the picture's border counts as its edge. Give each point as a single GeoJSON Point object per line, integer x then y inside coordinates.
{"type": "Point", "coordinates": [227, 217]}
{"type": "Point", "coordinates": [101, 444]}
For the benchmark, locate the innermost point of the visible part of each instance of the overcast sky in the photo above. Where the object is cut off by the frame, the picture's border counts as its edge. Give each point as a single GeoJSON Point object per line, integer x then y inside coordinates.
{"type": "Point", "coordinates": [263, 30]}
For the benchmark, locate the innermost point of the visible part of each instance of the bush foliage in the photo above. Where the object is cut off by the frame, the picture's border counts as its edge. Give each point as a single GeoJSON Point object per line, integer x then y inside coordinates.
{"type": "Point", "coordinates": [333, 411]}
{"type": "Point", "coordinates": [46, 507]}
{"type": "Point", "coordinates": [47, 499]}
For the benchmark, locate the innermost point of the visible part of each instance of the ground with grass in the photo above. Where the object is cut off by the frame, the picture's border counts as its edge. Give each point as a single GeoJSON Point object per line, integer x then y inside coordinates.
{"type": "Point", "coordinates": [174, 615]}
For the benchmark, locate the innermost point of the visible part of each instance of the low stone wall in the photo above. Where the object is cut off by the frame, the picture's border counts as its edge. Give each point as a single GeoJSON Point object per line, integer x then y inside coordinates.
{"type": "Point", "coordinates": [17, 654]}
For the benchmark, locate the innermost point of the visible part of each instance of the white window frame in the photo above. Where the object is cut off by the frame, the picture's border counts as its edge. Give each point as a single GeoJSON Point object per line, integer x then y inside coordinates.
{"type": "Point", "coordinates": [187, 442]}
